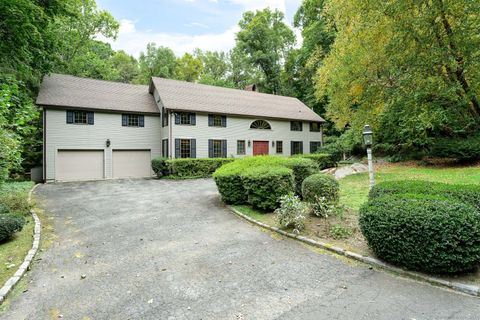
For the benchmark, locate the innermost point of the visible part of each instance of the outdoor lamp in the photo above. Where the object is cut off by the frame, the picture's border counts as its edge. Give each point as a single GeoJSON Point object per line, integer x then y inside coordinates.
{"type": "Point", "coordinates": [108, 143]}
{"type": "Point", "coordinates": [367, 135]}
{"type": "Point", "coordinates": [249, 143]}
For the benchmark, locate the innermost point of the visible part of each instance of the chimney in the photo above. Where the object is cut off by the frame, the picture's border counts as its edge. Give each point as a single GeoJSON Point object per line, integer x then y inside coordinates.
{"type": "Point", "coordinates": [251, 87]}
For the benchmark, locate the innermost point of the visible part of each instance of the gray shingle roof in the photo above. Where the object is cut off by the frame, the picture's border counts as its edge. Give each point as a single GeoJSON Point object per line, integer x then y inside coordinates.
{"type": "Point", "coordinates": [74, 92]}
{"type": "Point", "coordinates": [188, 96]}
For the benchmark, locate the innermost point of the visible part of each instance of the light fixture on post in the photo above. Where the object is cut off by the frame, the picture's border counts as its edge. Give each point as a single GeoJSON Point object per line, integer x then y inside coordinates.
{"type": "Point", "coordinates": [368, 140]}
{"type": "Point", "coordinates": [107, 143]}
{"type": "Point", "coordinates": [273, 143]}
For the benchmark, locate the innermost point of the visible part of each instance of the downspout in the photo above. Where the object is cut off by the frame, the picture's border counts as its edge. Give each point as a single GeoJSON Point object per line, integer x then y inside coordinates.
{"type": "Point", "coordinates": [170, 139]}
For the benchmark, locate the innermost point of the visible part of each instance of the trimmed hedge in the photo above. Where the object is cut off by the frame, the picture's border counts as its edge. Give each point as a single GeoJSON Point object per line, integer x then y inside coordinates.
{"type": "Point", "coordinates": [9, 224]}
{"type": "Point", "coordinates": [424, 233]}
{"type": "Point", "coordinates": [469, 194]}
{"type": "Point", "coordinates": [160, 167]}
{"type": "Point", "coordinates": [188, 167]}
{"type": "Point", "coordinates": [230, 184]}
{"type": "Point", "coordinates": [266, 184]}
{"type": "Point", "coordinates": [302, 168]}
{"type": "Point", "coordinates": [320, 185]}
{"type": "Point", "coordinates": [323, 160]}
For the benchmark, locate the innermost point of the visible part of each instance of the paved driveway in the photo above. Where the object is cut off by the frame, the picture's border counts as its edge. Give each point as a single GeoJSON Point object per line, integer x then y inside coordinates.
{"type": "Point", "coordinates": [169, 250]}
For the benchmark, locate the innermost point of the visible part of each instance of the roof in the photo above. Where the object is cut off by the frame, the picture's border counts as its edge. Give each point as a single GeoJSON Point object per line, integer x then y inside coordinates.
{"type": "Point", "coordinates": [74, 92]}
{"type": "Point", "coordinates": [188, 96]}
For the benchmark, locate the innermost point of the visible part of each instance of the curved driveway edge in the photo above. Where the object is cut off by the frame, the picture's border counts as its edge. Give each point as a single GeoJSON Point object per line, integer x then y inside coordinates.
{"type": "Point", "coordinates": [456, 286]}
{"type": "Point", "coordinates": [8, 286]}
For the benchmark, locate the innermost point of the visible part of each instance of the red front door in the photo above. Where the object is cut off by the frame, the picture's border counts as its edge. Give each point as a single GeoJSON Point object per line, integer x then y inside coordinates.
{"type": "Point", "coordinates": [260, 148]}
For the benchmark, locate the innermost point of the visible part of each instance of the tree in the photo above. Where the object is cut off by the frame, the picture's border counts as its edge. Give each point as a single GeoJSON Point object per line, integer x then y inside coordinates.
{"type": "Point", "coordinates": [188, 68]}
{"type": "Point", "coordinates": [215, 68]}
{"type": "Point", "coordinates": [243, 72]}
{"type": "Point", "coordinates": [156, 62]}
{"type": "Point", "coordinates": [125, 65]}
{"type": "Point", "coordinates": [266, 40]}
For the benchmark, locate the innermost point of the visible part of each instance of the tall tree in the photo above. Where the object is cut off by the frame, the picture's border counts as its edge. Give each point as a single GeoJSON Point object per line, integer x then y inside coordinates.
{"type": "Point", "coordinates": [266, 40]}
{"type": "Point", "coordinates": [188, 68]}
{"type": "Point", "coordinates": [156, 62]}
{"type": "Point", "coordinates": [216, 66]}
{"type": "Point", "coordinates": [243, 72]}
{"type": "Point", "coordinates": [125, 65]}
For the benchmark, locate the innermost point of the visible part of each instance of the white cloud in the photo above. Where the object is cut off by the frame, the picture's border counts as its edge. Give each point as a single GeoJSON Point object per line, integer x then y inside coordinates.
{"type": "Point", "coordinates": [196, 24]}
{"type": "Point", "coordinates": [260, 4]}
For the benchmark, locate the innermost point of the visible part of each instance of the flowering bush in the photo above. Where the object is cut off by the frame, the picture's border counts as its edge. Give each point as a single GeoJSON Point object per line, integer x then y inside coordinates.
{"type": "Point", "coordinates": [322, 208]}
{"type": "Point", "coordinates": [292, 213]}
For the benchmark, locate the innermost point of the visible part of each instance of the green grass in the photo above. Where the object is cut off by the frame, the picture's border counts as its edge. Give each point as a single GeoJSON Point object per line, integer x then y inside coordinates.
{"type": "Point", "coordinates": [262, 216]}
{"type": "Point", "coordinates": [354, 188]}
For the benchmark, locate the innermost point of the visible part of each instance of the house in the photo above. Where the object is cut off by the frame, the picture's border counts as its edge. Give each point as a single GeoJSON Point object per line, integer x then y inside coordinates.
{"type": "Point", "coordinates": [95, 129]}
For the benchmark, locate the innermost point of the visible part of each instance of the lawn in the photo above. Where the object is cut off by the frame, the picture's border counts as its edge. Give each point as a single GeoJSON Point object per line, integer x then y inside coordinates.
{"type": "Point", "coordinates": [13, 251]}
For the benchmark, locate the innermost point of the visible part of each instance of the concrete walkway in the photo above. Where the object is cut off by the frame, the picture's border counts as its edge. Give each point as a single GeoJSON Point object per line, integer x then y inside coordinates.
{"type": "Point", "coordinates": [153, 249]}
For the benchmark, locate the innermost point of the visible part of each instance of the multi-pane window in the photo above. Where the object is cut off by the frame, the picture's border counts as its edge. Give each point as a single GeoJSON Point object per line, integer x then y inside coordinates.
{"type": "Point", "coordinates": [240, 147]}
{"type": "Point", "coordinates": [296, 147]}
{"type": "Point", "coordinates": [185, 150]}
{"type": "Point", "coordinates": [133, 120]}
{"type": "Point", "coordinates": [260, 124]}
{"type": "Point", "coordinates": [217, 120]}
{"type": "Point", "coordinates": [315, 146]}
{"type": "Point", "coordinates": [217, 148]}
{"type": "Point", "coordinates": [279, 146]}
{"type": "Point", "coordinates": [185, 118]}
{"type": "Point", "coordinates": [296, 125]}
{"type": "Point", "coordinates": [80, 117]}
{"type": "Point", "coordinates": [315, 126]}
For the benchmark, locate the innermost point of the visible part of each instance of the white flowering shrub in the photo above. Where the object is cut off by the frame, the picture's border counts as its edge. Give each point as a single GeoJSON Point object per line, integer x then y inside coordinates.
{"type": "Point", "coordinates": [292, 213]}
{"type": "Point", "coordinates": [322, 207]}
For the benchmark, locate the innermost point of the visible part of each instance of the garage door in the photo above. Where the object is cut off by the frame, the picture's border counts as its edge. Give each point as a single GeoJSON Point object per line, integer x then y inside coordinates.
{"type": "Point", "coordinates": [79, 165]}
{"type": "Point", "coordinates": [131, 163]}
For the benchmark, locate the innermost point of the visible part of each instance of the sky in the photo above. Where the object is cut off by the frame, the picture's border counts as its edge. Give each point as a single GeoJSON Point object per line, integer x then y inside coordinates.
{"type": "Point", "coordinates": [184, 25]}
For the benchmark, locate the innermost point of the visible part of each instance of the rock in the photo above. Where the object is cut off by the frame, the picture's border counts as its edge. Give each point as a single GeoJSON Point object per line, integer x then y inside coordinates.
{"type": "Point", "coordinates": [150, 301]}
{"type": "Point", "coordinates": [344, 287]}
{"type": "Point", "coordinates": [83, 276]}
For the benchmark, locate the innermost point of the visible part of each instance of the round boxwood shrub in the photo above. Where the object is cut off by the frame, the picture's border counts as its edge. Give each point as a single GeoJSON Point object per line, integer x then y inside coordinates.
{"type": "Point", "coordinates": [320, 185]}
{"type": "Point", "coordinates": [9, 224]}
{"type": "Point", "coordinates": [428, 234]}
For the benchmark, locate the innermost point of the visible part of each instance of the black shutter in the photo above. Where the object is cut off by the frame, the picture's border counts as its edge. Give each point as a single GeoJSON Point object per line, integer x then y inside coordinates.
{"type": "Point", "coordinates": [301, 147]}
{"type": "Point", "coordinates": [312, 146]}
{"type": "Point", "coordinates": [210, 120]}
{"type": "Point", "coordinates": [166, 118]}
{"type": "Point", "coordinates": [292, 152]}
{"type": "Point", "coordinates": [177, 148]}
{"type": "Point", "coordinates": [177, 118]}
{"type": "Point", "coordinates": [224, 148]}
{"type": "Point", "coordinates": [90, 118]}
{"type": "Point", "coordinates": [192, 119]}
{"type": "Point", "coordinates": [141, 121]}
{"type": "Point", "coordinates": [291, 125]}
{"type": "Point", "coordinates": [69, 116]}
{"type": "Point", "coordinates": [224, 121]}
{"type": "Point", "coordinates": [210, 148]}
{"type": "Point", "coordinates": [163, 116]}
{"type": "Point", "coordinates": [301, 126]}
{"type": "Point", "coordinates": [193, 148]}
{"type": "Point", "coordinates": [124, 120]}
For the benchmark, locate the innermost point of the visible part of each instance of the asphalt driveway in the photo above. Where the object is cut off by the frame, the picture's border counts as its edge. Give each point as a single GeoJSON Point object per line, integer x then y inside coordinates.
{"type": "Point", "coordinates": [157, 249]}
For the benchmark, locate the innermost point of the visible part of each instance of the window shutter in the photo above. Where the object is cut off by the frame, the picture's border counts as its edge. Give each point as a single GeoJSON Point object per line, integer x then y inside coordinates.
{"type": "Point", "coordinates": [291, 147]}
{"type": "Point", "coordinates": [301, 127]}
{"type": "Point", "coordinates": [141, 121]}
{"type": "Point", "coordinates": [210, 120]}
{"type": "Point", "coordinates": [177, 118]}
{"type": "Point", "coordinates": [224, 121]}
{"type": "Point", "coordinates": [69, 116]}
{"type": "Point", "coordinates": [312, 146]}
{"type": "Point", "coordinates": [224, 148]}
{"type": "Point", "coordinates": [166, 118]}
{"type": "Point", "coordinates": [193, 147]}
{"type": "Point", "coordinates": [124, 120]}
{"type": "Point", "coordinates": [90, 117]}
{"type": "Point", "coordinates": [301, 147]}
{"type": "Point", "coordinates": [210, 148]}
{"type": "Point", "coordinates": [177, 148]}
{"type": "Point", "coordinates": [192, 119]}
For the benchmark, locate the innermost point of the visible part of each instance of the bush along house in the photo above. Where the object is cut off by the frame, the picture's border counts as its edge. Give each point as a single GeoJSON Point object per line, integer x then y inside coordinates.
{"type": "Point", "coordinates": [96, 129]}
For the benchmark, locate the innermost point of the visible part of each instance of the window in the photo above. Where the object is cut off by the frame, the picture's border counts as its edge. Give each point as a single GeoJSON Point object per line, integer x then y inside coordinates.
{"type": "Point", "coordinates": [296, 147]}
{"type": "Point", "coordinates": [296, 126]}
{"type": "Point", "coordinates": [217, 148]}
{"type": "Point", "coordinates": [80, 117]}
{"type": "Point", "coordinates": [217, 120]}
{"type": "Point", "coordinates": [185, 148]}
{"type": "Point", "coordinates": [164, 117]}
{"type": "Point", "coordinates": [315, 126]}
{"type": "Point", "coordinates": [185, 118]}
{"type": "Point", "coordinates": [279, 147]}
{"type": "Point", "coordinates": [240, 146]}
{"type": "Point", "coordinates": [165, 148]}
{"type": "Point", "coordinates": [260, 124]}
{"type": "Point", "coordinates": [315, 146]}
{"type": "Point", "coordinates": [133, 120]}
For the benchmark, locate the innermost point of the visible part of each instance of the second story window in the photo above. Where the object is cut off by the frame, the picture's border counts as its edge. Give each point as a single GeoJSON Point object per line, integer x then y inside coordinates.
{"type": "Point", "coordinates": [315, 126]}
{"type": "Point", "coordinates": [186, 118]}
{"type": "Point", "coordinates": [133, 120]}
{"type": "Point", "coordinates": [80, 117]}
{"type": "Point", "coordinates": [217, 120]}
{"type": "Point", "coordinates": [296, 125]}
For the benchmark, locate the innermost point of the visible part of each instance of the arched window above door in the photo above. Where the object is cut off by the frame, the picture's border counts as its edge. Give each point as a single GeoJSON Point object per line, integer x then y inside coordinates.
{"type": "Point", "coordinates": [260, 124]}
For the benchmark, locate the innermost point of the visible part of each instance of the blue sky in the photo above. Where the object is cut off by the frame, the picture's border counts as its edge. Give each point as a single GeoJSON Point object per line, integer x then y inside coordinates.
{"type": "Point", "coordinates": [184, 24]}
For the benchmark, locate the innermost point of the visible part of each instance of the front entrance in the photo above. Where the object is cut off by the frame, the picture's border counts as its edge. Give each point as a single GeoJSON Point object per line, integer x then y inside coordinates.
{"type": "Point", "coordinates": [260, 148]}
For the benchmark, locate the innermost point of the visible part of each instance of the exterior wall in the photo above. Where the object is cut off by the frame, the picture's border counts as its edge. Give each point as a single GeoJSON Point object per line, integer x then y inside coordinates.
{"type": "Point", "coordinates": [238, 128]}
{"type": "Point", "coordinates": [60, 135]}
{"type": "Point", "coordinates": [164, 132]}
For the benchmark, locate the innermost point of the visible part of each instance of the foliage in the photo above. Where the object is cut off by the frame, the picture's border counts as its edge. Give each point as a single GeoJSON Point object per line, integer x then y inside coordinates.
{"type": "Point", "coordinates": [9, 224]}
{"type": "Point", "coordinates": [324, 160]}
{"type": "Point", "coordinates": [320, 185]}
{"type": "Point", "coordinates": [322, 207]}
{"type": "Point", "coordinates": [188, 68]}
{"type": "Point", "coordinates": [291, 213]}
{"type": "Point", "coordinates": [197, 167]}
{"type": "Point", "coordinates": [425, 233]}
{"type": "Point", "coordinates": [126, 66]}
{"type": "Point", "coordinates": [339, 232]}
{"type": "Point", "coordinates": [266, 40]}
{"type": "Point", "coordinates": [156, 62]}
{"type": "Point", "coordinates": [463, 149]}
{"type": "Point", "coordinates": [14, 197]}
{"type": "Point", "coordinates": [160, 167]}
{"type": "Point", "coordinates": [302, 168]}
{"type": "Point", "coordinates": [266, 184]}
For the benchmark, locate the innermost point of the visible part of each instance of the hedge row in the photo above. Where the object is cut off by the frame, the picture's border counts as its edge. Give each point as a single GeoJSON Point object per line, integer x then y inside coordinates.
{"type": "Point", "coordinates": [187, 167]}
{"type": "Point", "coordinates": [424, 226]}
{"type": "Point", "coordinates": [324, 160]}
{"type": "Point", "coordinates": [461, 148]}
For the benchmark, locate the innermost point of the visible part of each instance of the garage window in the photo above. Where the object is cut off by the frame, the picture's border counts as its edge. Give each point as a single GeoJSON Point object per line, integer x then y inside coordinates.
{"type": "Point", "coordinates": [133, 120]}
{"type": "Point", "coordinates": [80, 117]}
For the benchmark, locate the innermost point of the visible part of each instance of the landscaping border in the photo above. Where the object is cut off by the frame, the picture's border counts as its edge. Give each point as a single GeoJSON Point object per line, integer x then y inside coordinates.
{"type": "Point", "coordinates": [456, 286]}
{"type": "Point", "coordinates": [8, 286]}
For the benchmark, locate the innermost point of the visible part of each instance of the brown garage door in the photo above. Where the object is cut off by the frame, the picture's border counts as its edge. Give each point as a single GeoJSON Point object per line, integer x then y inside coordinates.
{"type": "Point", "coordinates": [74, 165]}
{"type": "Point", "coordinates": [131, 163]}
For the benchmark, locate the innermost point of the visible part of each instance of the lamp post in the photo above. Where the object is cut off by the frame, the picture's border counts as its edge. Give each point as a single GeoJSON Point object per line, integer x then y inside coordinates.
{"type": "Point", "coordinates": [368, 139]}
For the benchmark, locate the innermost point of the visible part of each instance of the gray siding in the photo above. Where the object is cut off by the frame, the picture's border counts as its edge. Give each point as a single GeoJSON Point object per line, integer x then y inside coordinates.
{"type": "Point", "coordinates": [60, 135]}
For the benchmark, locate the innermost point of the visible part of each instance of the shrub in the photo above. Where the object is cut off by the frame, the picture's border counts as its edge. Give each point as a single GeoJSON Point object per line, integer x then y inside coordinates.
{"type": "Point", "coordinates": [292, 213]}
{"type": "Point", "coordinates": [302, 168]}
{"type": "Point", "coordinates": [159, 166]}
{"type": "Point", "coordinates": [14, 197]}
{"type": "Point", "coordinates": [195, 168]}
{"type": "Point", "coordinates": [230, 186]}
{"type": "Point", "coordinates": [320, 185]}
{"type": "Point", "coordinates": [9, 224]}
{"type": "Point", "coordinates": [339, 232]}
{"type": "Point", "coordinates": [323, 160]}
{"type": "Point", "coordinates": [266, 184]}
{"type": "Point", "coordinates": [465, 193]}
{"type": "Point", "coordinates": [322, 208]}
{"type": "Point", "coordinates": [465, 149]}
{"type": "Point", "coordinates": [424, 233]}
